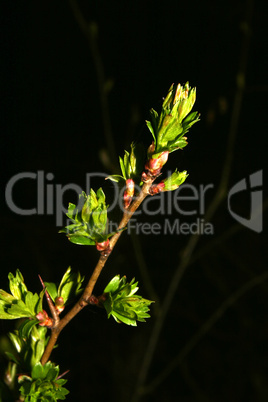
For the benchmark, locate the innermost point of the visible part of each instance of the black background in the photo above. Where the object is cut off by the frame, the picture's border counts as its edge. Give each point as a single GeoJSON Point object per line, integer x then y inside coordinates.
{"type": "Point", "coordinates": [52, 122]}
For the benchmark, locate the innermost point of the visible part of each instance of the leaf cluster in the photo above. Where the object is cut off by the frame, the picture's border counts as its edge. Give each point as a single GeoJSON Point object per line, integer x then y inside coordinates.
{"type": "Point", "coordinates": [89, 219]}
{"type": "Point", "coordinates": [21, 302]}
{"type": "Point", "coordinates": [175, 180]}
{"type": "Point", "coordinates": [27, 347]}
{"type": "Point", "coordinates": [169, 128]}
{"type": "Point", "coordinates": [123, 304]}
{"type": "Point", "coordinates": [43, 384]}
{"type": "Point", "coordinates": [69, 288]}
{"type": "Point", "coordinates": [131, 165]}
{"type": "Point", "coordinates": [29, 344]}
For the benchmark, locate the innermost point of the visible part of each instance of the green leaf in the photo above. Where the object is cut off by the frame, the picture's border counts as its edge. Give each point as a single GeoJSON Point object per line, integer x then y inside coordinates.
{"type": "Point", "coordinates": [26, 327]}
{"type": "Point", "coordinates": [4, 314]}
{"type": "Point", "coordinates": [126, 163]}
{"type": "Point", "coordinates": [71, 209]}
{"type": "Point", "coordinates": [51, 289]}
{"type": "Point", "coordinates": [6, 298]}
{"type": "Point", "coordinates": [32, 302]}
{"type": "Point", "coordinates": [52, 374]}
{"type": "Point", "coordinates": [132, 164]}
{"type": "Point", "coordinates": [154, 122]}
{"type": "Point", "coordinates": [38, 371]}
{"type": "Point", "coordinates": [38, 351]}
{"type": "Point", "coordinates": [191, 119]}
{"type": "Point", "coordinates": [100, 196]}
{"type": "Point", "coordinates": [178, 144]}
{"type": "Point", "coordinates": [115, 177]}
{"type": "Point", "coordinates": [17, 285]}
{"type": "Point", "coordinates": [122, 167]}
{"type": "Point", "coordinates": [19, 310]}
{"type": "Point", "coordinates": [119, 318]}
{"type": "Point", "coordinates": [113, 285]}
{"type": "Point", "coordinates": [81, 240]}
{"type": "Point", "coordinates": [16, 341]}
{"type": "Point", "coordinates": [175, 180]}
{"type": "Point", "coordinates": [149, 125]}
{"type": "Point", "coordinates": [70, 286]}
{"type": "Point", "coordinates": [11, 357]}
{"type": "Point", "coordinates": [47, 367]}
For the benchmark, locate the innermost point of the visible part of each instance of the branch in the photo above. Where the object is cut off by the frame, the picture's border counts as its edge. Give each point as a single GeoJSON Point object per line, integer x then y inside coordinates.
{"type": "Point", "coordinates": [84, 299]}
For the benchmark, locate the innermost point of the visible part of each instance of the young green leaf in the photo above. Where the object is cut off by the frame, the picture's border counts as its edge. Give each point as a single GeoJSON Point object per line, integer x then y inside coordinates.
{"type": "Point", "coordinates": [26, 327]}
{"type": "Point", "coordinates": [52, 289]}
{"type": "Point", "coordinates": [168, 129]}
{"type": "Point", "coordinates": [120, 302]}
{"type": "Point", "coordinates": [22, 303]}
{"type": "Point", "coordinates": [132, 164]}
{"type": "Point", "coordinates": [43, 385]}
{"type": "Point", "coordinates": [70, 286]}
{"type": "Point", "coordinates": [17, 285]}
{"type": "Point", "coordinates": [89, 219]}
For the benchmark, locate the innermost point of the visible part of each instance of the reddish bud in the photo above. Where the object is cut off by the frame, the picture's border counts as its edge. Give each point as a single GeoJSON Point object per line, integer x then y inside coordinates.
{"type": "Point", "coordinates": [103, 245]}
{"type": "Point", "coordinates": [154, 165]}
{"type": "Point", "coordinates": [42, 315]}
{"type": "Point", "coordinates": [93, 300]}
{"type": "Point", "coordinates": [59, 304]}
{"type": "Point", "coordinates": [59, 301]}
{"type": "Point", "coordinates": [130, 186]}
{"type": "Point", "coordinates": [158, 163]}
{"type": "Point", "coordinates": [145, 177]}
{"type": "Point", "coordinates": [127, 200]}
{"type": "Point", "coordinates": [129, 192]}
{"type": "Point", "coordinates": [44, 319]}
{"type": "Point", "coordinates": [157, 188]}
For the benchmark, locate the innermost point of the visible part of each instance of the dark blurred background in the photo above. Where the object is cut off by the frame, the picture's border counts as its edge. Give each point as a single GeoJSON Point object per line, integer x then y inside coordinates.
{"type": "Point", "coordinates": [78, 78]}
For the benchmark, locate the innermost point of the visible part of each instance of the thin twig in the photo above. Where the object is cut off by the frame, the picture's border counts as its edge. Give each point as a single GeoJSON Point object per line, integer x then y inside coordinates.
{"type": "Point", "coordinates": [218, 198]}
{"type": "Point", "coordinates": [52, 308]}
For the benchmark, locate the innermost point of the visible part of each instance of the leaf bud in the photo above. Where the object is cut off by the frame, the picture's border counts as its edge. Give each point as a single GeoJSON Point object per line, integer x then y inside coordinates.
{"type": "Point", "coordinates": [44, 319]}
{"type": "Point", "coordinates": [59, 304]}
{"type": "Point", "coordinates": [156, 162]}
{"type": "Point", "coordinates": [103, 245]}
{"type": "Point", "coordinates": [129, 192]}
{"type": "Point", "coordinates": [157, 188]}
